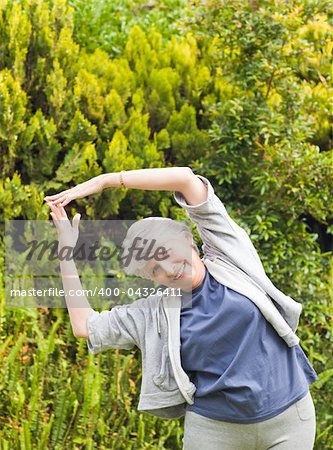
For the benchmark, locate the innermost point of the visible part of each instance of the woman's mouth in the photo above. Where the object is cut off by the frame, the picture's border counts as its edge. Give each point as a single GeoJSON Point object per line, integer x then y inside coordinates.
{"type": "Point", "coordinates": [180, 272]}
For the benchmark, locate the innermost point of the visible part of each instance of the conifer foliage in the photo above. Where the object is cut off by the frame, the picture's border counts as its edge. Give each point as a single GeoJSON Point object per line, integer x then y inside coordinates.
{"type": "Point", "coordinates": [240, 91]}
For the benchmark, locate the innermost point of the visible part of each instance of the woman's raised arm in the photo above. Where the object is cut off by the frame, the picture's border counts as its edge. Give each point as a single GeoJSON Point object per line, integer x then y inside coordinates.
{"type": "Point", "coordinates": [180, 179]}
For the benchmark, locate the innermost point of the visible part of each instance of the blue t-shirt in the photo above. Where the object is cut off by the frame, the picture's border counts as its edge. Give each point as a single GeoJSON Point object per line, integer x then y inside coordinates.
{"type": "Point", "coordinates": [243, 370]}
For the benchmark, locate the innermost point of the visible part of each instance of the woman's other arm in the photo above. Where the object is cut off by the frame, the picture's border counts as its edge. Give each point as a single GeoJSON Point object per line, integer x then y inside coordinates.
{"type": "Point", "coordinates": [77, 305]}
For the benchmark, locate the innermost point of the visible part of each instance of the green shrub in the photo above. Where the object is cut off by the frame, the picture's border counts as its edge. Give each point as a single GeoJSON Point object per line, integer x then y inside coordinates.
{"type": "Point", "coordinates": [242, 95]}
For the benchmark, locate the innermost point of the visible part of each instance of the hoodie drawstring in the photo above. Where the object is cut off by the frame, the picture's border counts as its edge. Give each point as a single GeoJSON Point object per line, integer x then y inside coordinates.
{"type": "Point", "coordinates": [158, 316]}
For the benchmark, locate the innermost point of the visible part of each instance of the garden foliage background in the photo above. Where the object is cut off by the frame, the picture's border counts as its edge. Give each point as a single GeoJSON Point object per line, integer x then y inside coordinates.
{"type": "Point", "coordinates": [240, 92]}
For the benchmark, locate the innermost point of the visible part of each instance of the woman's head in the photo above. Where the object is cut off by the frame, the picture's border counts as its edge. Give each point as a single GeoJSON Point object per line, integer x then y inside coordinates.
{"type": "Point", "coordinates": [162, 250]}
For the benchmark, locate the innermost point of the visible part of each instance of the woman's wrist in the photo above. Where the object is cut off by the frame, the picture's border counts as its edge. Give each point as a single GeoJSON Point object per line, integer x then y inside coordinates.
{"type": "Point", "coordinates": [108, 180]}
{"type": "Point", "coordinates": [100, 181]}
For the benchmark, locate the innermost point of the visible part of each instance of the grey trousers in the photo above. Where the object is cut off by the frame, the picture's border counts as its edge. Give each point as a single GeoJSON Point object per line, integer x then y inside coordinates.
{"type": "Point", "coordinates": [293, 429]}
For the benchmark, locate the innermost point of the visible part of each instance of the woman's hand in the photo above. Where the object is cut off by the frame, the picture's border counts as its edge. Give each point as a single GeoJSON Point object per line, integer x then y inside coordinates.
{"type": "Point", "coordinates": [67, 234]}
{"type": "Point", "coordinates": [89, 187]}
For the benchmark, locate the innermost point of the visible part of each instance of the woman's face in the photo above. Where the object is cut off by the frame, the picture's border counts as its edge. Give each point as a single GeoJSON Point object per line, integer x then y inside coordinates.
{"type": "Point", "coordinates": [181, 267]}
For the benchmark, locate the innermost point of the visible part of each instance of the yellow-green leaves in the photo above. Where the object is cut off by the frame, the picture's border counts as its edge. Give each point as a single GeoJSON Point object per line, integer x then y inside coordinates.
{"type": "Point", "coordinates": [12, 118]}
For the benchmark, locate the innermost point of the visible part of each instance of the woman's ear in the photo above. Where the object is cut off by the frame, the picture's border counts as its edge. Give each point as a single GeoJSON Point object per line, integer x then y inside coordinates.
{"type": "Point", "coordinates": [189, 238]}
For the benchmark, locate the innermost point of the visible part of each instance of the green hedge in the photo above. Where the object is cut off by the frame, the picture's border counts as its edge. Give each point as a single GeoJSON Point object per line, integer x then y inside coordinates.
{"type": "Point", "coordinates": [242, 95]}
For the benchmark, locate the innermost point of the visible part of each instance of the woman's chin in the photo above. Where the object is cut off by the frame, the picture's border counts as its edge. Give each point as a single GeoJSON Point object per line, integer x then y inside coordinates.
{"type": "Point", "coordinates": [183, 283]}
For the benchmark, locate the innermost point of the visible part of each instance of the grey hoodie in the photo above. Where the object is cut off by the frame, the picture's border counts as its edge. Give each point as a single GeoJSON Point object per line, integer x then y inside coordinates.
{"type": "Point", "coordinates": [153, 323]}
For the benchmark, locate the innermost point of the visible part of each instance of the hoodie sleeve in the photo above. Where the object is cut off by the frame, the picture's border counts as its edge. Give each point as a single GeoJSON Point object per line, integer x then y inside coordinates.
{"type": "Point", "coordinates": [220, 234]}
{"type": "Point", "coordinates": [117, 328]}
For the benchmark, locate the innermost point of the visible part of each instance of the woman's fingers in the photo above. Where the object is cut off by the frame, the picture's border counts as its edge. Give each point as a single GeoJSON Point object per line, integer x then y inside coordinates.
{"type": "Point", "coordinates": [62, 212]}
{"type": "Point", "coordinates": [63, 200]}
{"type": "Point", "coordinates": [55, 196]}
{"type": "Point", "coordinates": [58, 212]}
{"type": "Point", "coordinates": [55, 211]}
{"type": "Point", "coordinates": [60, 219]}
{"type": "Point", "coordinates": [54, 218]}
{"type": "Point", "coordinates": [57, 201]}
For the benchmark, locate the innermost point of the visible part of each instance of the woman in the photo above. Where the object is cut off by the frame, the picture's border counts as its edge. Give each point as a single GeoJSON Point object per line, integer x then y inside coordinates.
{"type": "Point", "coordinates": [221, 349]}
